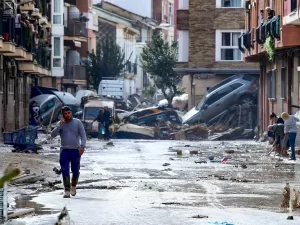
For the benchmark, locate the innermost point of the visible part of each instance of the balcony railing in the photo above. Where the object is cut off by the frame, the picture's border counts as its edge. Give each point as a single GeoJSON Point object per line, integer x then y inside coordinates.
{"type": "Point", "coordinates": [8, 27]}
{"type": "Point", "coordinates": [75, 25]}
{"type": "Point", "coordinates": [45, 8]}
{"type": "Point", "coordinates": [42, 56]}
{"type": "Point", "coordinates": [75, 72]}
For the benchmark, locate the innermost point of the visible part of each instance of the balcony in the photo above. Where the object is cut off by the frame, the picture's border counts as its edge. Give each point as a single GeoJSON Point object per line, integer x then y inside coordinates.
{"type": "Point", "coordinates": [292, 10]}
{"type": "Point", "coordinates": [292, 19]}
{"type": "Point", "coordinates": [284, 37]}
{"type": "Point", "coordinates": [75, 74]}
{"type": "Point", "coordinates": [75, 26]}
{"type": "Point", "coordinates": [42, 57]}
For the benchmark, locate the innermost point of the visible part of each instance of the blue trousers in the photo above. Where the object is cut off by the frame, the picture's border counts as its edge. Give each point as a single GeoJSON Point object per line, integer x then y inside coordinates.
{"type": "Point", "coordinates": [68, 156]}
{"type": "Point", "coordinates": [292, 140]}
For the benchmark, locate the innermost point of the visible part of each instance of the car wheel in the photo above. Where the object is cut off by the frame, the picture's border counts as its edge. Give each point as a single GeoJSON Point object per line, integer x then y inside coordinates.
{"type": "Point", "coordinates": [247, 100]}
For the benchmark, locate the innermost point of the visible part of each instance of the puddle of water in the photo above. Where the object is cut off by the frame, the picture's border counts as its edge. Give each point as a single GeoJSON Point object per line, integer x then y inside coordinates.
{"type": "Point", "coordinates": [25, 201]}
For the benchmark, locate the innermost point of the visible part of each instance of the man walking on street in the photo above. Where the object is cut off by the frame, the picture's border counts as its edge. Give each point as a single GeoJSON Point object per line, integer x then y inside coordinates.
{"type": "Point", "coordinates": [70, 131]}
{"type": "Point", "coordinates": [106, 121]}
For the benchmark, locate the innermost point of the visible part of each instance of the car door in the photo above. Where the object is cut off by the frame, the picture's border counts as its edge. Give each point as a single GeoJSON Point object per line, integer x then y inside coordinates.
{"type": "Point", "coordinates": [49, 105]}
{"type": "Point", "coordinates": [214, 103]}
{"type": "Point", "coordinates": [209, 107]}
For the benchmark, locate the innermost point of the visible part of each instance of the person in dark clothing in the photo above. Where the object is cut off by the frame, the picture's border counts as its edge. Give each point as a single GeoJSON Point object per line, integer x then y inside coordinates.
{"type": "Point", "coordinates": [106, 121]}
{"type": "Point", "coordinates": [271, 13]}
{"type": "Point", "coordinates": [99, 120]}
{"type": "Point", "coordinates": [34, 114]}
{"type": "Point", "coordinates": [275, 119]}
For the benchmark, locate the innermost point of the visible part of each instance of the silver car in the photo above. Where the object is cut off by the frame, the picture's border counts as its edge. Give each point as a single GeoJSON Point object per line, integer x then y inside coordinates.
{"type": "Point", "coordinates": [237, 89]}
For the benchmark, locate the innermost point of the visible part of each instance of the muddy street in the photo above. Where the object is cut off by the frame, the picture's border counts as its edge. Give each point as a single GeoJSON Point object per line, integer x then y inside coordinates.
{"type": "Point", "coordinates": [159, 182]}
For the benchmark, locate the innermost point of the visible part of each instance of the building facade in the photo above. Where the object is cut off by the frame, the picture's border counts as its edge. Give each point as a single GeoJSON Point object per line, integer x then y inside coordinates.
{"type": "Point", "coordinates": [24, 57]}
{"type": "Point", "coordinates": [73, 36]}
{"type": "Point", "coordinates": [208, 33]}
{"type": "Point", "coordinates": [131, 32]}
{"type": "Point", "coordinates": [273, 41]}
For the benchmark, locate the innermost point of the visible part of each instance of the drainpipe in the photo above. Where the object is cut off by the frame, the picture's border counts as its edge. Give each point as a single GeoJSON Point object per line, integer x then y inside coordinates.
{"type": "Point", "coordinates": [192, 88]}
{"type": "Point", "coordinates": [1, 77]}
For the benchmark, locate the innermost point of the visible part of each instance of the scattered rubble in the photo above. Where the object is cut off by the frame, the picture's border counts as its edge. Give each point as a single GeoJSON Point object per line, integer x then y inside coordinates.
{"type": "Point", "coordinates": [199, 217]}
{"type": "Point", "coordinates": [166, 164]}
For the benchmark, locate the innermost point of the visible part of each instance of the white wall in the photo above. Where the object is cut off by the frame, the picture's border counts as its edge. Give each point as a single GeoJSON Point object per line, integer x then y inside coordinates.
{"type": "Point", "coordinates": [183, 4]}
{"type": "Point", "coordinates": [58, 32]}
{"type": "Point", "coordinates": [141, 7]}
{"type": "Point", "coordinates": [183, 46]}
{"type": "Point", "coordinates": [139, 76]}
{"type": "Point", "coordinates": [130, 88]}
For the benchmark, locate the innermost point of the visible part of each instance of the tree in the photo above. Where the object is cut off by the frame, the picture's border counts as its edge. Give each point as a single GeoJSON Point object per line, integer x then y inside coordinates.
{"type": "Point", "coordinates": [149, 92]}
{"type": "Point", "coordinates": [108, 61]}
{"type": "Point", "coordinates": [159, 59]}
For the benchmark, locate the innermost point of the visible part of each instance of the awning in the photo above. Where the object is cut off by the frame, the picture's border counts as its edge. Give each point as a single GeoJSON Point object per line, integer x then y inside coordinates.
{"type": "Point", "coordinates": [186, 71]}
{"type": "Point", "coordinates": [77, 44]}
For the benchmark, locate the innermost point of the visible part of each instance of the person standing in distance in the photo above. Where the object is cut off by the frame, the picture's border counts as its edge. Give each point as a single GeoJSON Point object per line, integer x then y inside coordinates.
{"type": "Point", "coordinates": [73, 140]}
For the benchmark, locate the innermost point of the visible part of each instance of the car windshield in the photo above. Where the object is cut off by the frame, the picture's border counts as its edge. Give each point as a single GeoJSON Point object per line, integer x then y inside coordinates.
{"type": "Point", "coordinates": [199, 106]}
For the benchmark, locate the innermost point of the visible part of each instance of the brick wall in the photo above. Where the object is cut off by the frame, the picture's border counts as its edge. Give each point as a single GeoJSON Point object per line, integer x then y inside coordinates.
{"type": "Point", "coordinates": [204, 20]}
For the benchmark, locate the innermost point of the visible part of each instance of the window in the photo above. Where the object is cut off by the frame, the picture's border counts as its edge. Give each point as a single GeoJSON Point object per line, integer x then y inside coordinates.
{"type": "Point", "coordinates": [230, 3]}
{"type": "Point", "coordinates": [212, 99]}
{"type": "Point", "coordinates": [271, 84]}
{"type": "Point", "coordinates": [225, 91]}
{"type": "Point", "coordinates": [57, 47]}
{"type": "Point", "coordinates": [293, 5]}
{"type": "Point", "coordinates": [283, 82]}
{"type": "Point", "coordinates": [57, 14]}
{"type": "Point", "coordinates": [227, 46]}
{"type": "Point", "coordinates": [236, 86]}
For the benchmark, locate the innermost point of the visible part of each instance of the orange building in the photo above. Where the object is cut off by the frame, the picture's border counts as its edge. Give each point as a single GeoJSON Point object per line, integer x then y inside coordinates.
{"type": "Point", "coordinates": [273, 39]}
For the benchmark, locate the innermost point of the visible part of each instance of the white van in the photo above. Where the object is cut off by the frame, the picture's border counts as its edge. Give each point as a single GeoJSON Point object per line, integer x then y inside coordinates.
{"type": "Point", "coordinates": [91, 111]}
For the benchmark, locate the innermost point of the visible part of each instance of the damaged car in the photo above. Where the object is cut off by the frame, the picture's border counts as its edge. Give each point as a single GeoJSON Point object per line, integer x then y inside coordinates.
{"type": "Point", "coordinates": [237, 89]}
{"type": "Point", "coordinates": [150, 116]}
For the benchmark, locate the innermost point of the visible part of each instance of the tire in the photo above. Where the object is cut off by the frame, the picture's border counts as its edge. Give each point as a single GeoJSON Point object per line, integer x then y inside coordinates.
{"type": "Point", "coordinates": [247, 100]}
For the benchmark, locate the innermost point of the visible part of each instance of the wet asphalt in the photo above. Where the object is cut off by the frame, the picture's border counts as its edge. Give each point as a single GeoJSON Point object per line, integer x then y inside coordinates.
{"type": "Point", "coordinates": [171, 182]}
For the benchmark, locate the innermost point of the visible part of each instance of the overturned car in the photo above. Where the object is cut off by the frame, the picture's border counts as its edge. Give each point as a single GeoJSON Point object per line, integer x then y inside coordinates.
{"type": "Point", "coordinates": [150, 116]}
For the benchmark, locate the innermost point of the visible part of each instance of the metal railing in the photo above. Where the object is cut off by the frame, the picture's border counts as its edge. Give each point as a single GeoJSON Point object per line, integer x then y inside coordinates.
{"type": "Point", "coordinates": [75, 28]}
{"type": "Point", "coordinates": [75, 25]}
{"type": "Point", "coordinates": [8, 27]}
{"type": "Point", "coordinates": [75, 72]}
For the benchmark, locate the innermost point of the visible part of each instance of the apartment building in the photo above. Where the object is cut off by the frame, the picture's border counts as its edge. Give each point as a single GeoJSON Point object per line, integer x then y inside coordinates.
{"type": "Point", "coordinates": [131, 32]}
{"type": "Point", "coordinates": [208, 33]}
{"type": "Point", "coordinates": [272, 40]}
{"type": "Point", "coordinates": [24, 57]}
{"type": "Point", "coordinates": [73, 36]}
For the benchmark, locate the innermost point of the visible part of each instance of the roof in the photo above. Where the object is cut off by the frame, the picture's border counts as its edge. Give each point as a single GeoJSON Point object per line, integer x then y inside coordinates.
{"type": "Point", "coordinates": [66, 98]}
{"type": "Point", "coordinates": [116, 6]}
{"type": "Point", "coordinates": [186, 71]}
{"type": "Point", "coordinates": [42, 98]}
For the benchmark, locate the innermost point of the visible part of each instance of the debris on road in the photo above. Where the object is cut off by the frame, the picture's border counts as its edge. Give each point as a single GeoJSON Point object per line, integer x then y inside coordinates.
{"type": "Point", "coordinates": [63, 216]}
{"type": "Point", "coordinates": [199, 217]}
{"type": "Point", "coordinates": [166, 164]}
{"type": "Point", "coordinates": [20, 212]}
